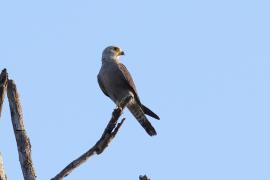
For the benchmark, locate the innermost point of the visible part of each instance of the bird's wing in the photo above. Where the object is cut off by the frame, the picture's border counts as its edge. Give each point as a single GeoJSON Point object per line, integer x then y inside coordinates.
{"type": "Point", "coordinates": [129, 81]}
{"type": "Point", "coordinates": [102, 86]}
{"type": "Point", "coordinates": [147, 111]}
{"type": "Point", "coordinates": [131, 85]}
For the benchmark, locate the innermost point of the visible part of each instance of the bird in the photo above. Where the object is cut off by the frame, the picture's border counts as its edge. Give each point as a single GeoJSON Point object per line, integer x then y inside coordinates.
{"type": "Point", "coordinates": [116, 82]}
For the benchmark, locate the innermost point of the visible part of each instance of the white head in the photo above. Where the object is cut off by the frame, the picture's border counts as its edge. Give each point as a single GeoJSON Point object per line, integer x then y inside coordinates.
{"type": "Point", "coordinates": [112, 53]}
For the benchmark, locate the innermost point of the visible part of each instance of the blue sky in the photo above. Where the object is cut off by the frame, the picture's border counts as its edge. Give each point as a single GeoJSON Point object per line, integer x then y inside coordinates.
{"type": "Point", "coordinates": [202, 66]}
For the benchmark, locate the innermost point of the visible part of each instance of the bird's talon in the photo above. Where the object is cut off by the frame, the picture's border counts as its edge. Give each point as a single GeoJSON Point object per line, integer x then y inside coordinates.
{"type": "Point", "coordinates": [120, 108]}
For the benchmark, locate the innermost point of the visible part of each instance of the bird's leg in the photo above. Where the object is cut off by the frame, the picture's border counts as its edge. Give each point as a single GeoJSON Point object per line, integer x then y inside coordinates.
{"type": "Point", "coordinates": [124, 102]}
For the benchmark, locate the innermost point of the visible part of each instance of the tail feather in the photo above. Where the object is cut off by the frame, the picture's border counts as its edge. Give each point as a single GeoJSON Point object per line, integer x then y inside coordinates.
{"type": "Point", "coordinates": [149, 112]}
{"type": "Point", "coordinates": [138, 113]}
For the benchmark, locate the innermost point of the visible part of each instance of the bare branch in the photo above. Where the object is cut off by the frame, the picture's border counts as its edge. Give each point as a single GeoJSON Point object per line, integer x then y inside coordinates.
{"type": "Point", "coordinates": [23, 142]}
{"type": "Point", "coordinates": [108, 134]}
{"type": "Point", "coordinates": [144, 177]}
{"type": "Point", "coordinates": [3, 87]}
{"type": "Point", "coordinates": [2, 171]}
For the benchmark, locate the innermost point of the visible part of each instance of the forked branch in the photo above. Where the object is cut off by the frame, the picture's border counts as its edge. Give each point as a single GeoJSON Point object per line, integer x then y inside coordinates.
{"type": "Point", "coordinates": [108, 134]}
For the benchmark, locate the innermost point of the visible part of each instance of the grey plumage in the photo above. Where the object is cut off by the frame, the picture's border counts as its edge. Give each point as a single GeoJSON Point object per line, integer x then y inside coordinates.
{"type": "Point", "coordinates": [116, 82]}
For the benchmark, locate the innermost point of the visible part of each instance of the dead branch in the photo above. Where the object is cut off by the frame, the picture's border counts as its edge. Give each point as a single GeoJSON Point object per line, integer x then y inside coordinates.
{"type": "Point", "coordinates": [144, 177]}
{"type": "Point", "coordinates": [23, 142]}
{"type": "Point", "coordinates": [2, 171]}
{"type": "Point", "coordinates": [108, 134]}
{"type": "Point", "coordinates": [3, 87]}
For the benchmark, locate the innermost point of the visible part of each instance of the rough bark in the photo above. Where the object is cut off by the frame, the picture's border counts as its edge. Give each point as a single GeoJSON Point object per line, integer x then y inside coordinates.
{"type": "Point", "coordinates": [2, 171]}
{"type": "Point", "coordinates": [3, 87]}
{"type": "Point", "coordinates": [23, 142]}
{"type": "Point", "coordinates": [108, 134]}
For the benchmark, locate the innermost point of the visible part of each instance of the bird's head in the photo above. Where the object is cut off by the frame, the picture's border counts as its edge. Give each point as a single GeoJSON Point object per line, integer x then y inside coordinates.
{"type": "Point", "coordinates": [112, 52]}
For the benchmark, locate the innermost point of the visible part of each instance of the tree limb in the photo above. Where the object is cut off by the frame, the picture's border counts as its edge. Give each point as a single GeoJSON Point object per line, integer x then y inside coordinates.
{"type": "Point", "coordinates": [108, 134]}
{"type": "Point", "coordinates": [2, 171]}
{"type": "Point", "coordinates": [3, 87]}
{"type": "Point", "coordinates": [23, 142]}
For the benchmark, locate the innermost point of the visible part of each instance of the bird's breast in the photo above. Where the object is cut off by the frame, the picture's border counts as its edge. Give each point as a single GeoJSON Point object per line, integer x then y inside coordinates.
{"type": "Point", "coordinates": [113, 82]}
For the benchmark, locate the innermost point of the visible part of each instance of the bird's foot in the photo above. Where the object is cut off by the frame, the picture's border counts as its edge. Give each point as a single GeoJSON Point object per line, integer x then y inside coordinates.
{"type": "Point", "coordinates": [124, 102]}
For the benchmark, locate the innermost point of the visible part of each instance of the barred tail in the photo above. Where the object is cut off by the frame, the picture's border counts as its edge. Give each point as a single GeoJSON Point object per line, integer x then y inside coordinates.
{"type": "Point", "coordinates": [138, 113]}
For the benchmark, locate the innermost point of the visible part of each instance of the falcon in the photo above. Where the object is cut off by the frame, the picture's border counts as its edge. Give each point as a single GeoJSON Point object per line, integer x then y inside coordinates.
{"type": "Point", "coordinates": [116, 82]}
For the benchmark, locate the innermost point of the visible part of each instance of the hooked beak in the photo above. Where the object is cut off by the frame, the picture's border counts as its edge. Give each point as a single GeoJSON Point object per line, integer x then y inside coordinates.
{"type": "Point", "coordinates": [121, 53]}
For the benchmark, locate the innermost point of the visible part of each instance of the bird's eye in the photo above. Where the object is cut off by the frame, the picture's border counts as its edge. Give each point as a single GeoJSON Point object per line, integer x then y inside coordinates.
{"type": "Point", "coordinates": [115, 49]}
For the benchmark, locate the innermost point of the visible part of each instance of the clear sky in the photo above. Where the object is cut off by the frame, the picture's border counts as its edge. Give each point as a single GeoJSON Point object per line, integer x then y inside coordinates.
{"type": "Point", "coordinates": [202, 66]}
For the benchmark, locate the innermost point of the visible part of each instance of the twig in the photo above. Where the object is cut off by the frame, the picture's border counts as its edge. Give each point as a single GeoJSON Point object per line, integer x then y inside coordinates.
{"type": "Point", "coordinates": [144, 177]}
{"type": "Point", "coordinates": [3, 87]}
{"type": "Point", "coordinates": [108, 134]}
{"type": "Point", "coordinates": [23, 142]}
{"type": "Point", "coordinates": [2, 171]}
